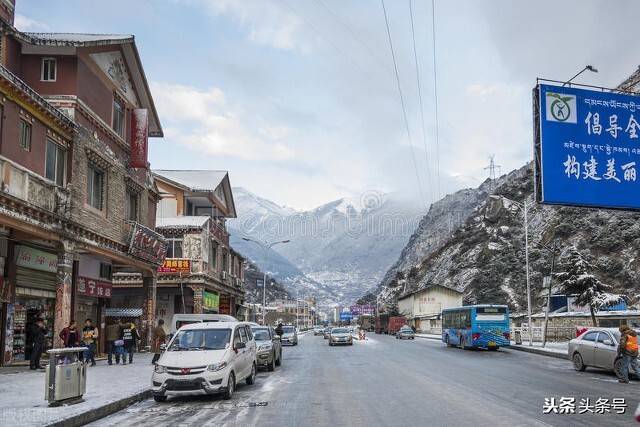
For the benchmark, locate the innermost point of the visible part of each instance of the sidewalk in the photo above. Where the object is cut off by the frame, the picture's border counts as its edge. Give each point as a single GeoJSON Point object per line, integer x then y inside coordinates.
{"type": "Point", "coordinates": [552, 349]}
{"type": "Point", "coordinates": [109, 389]}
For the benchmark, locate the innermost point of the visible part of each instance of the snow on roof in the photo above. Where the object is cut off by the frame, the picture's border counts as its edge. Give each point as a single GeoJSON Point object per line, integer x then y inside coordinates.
{"type": "Point", "coordinates": [602, 313]}
{"type": "Point", "coordinates": [182, 221]}
{"type": "Point", "coordinates": [195, 180]}
{"type": "Point", "coordinates": [78, 38]}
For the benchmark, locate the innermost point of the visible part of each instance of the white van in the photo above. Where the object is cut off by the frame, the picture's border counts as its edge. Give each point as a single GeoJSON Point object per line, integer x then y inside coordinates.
{"type": "Point", "coordinates": [206, 358]}
{"type": "Point", "coordinates": [179, 320]}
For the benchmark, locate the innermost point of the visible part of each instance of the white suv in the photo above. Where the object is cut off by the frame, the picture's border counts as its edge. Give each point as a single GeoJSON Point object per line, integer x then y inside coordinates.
{"type": "Point", "coordinates": [206, 358]}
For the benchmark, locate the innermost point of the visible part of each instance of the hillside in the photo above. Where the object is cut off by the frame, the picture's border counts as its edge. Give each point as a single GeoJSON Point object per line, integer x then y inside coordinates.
{"type": "Point", "coordinates": [484, 257]}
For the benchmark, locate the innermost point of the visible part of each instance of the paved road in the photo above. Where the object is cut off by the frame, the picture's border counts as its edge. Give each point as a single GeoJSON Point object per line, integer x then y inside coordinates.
{"type": "Point", "coordinates": [385, 382]}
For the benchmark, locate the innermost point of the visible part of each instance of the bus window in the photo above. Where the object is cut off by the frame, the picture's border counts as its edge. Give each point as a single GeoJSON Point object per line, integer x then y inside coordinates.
{"type": "Point", "coordinates": [491, 314]}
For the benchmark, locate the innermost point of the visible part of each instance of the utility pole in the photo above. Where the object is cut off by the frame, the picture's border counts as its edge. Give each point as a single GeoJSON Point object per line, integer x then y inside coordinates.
{"type": "Point", "coordinates": [546, 315]}
{"type": "Point", "coordinates": [526, 256]}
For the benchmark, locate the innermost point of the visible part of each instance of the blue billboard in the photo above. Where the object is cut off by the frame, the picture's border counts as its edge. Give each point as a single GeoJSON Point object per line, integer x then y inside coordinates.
{"type": "Point", "coordinates": [344, 316]}
{"type": "Point", "coordinates": [588, 147]}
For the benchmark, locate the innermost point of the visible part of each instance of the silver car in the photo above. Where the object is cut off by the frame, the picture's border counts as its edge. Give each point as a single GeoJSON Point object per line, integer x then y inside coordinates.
{"type": "Point", "coordinates": [405, 333]}
{"type": "Point", "coordinates": [289, 335]}
{"type": "Point", "coordinates": [340, 336]}
{"type": "Point", "coordinates": [269, 353]}
{"type": "Point", "coordinates": [598, 348]}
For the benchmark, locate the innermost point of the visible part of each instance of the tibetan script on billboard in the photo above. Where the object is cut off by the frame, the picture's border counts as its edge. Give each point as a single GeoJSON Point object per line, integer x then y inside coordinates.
{"type": "Point", "coordinates": [139, 137]}
{"type": "Point", "coordinates": [175, 265]}
{"type": "Point", "coordinates": [147, 244]}
{"type": "Point", "coordinates": [93, 288]}
{"type": "Point", "coordinates": [588, 147]}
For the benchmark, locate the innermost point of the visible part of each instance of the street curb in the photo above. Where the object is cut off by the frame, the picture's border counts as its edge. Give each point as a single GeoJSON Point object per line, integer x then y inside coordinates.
{"type": "Point", "coordinates": [103, 411]}
{"type": "Point", "coordinates": [533, 350]}
{"type": "Point", "coordinates": [539, 351]}
{"type": "Point", "coordinates": [430, 338]}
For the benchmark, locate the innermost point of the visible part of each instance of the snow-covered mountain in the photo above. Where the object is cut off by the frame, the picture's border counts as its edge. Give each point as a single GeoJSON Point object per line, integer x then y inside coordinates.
{"type": "Point", "coordinates": [337, 251]}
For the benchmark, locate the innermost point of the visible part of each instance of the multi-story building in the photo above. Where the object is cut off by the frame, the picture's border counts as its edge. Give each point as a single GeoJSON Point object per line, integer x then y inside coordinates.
{"type": "Point", "coordinates": [77, 200]}
{"type": "Point", "coordinates": [201, 273]}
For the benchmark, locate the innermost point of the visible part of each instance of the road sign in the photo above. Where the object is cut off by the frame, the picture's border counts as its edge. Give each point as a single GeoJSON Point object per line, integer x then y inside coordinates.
{"type": "Point", "coordinates": [344, 316]}
{"type": "Point", "coordinates": [587, 147]}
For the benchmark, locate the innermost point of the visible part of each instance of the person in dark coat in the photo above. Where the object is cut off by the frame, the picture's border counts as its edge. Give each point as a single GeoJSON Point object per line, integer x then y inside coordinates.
{"type": "Point", "coordinates": [113, 333]}
{"type": "Point", "coordinates": [130, 336]}
{"type": "Point", "coordinates": [279, 330]}
{"type": "Point", "coordinates": [70, 336]}
{"type": "Point", "coordinates": [38, 334]}
{"type": "Point", "coordinates": [157, 339]}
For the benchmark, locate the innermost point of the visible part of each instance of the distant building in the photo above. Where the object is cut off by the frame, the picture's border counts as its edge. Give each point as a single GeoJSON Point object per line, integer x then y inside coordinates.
{"type": "Point", "coordinates": [423, 307]}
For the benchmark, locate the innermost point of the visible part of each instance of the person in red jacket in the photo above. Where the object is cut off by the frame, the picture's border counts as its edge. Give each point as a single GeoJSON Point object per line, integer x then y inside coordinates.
{"type": "Point", "coordinates": [70, 336]}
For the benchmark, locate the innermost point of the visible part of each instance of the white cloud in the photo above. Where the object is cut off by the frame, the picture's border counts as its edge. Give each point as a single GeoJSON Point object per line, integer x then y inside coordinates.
{"type": "Point", "coordinates": [24, 23]}
{"type": "Point", "coordinates": [266, 22]}
{"type": "Point", "coordinates": [204, 121]}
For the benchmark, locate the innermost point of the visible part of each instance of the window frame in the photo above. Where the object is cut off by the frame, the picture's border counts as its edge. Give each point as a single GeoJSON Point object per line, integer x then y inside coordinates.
{"type": "Point", "coordinates": [25, 125]}
{"type": "Point", "coordinates": [107, 267]}
{"type": "Point", "coordinates": [132, 195]}
{"type": "Point", "coordinates": [49, 59]}
{"type": "Point", "coordinates": [93, 171]}
{"type": "Point", "coordinates": [119, 112]}
{"type": "Point", "coordinates": [60, 151]}
{"type": "Point", "coordinates": [171, 246]}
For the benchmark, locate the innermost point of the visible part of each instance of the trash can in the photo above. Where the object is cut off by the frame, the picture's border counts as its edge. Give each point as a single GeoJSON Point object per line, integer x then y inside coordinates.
{"type": "Point", "coordinates": [66, 376]}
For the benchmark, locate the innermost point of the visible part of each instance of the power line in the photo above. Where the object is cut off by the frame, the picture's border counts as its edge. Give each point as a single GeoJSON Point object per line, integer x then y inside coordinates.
{"type": "Point", "coordinates": [404, 110]}
{"type": "Point", "coordinates": [435, 90]}
{"type": "Point", "coordinates": [424, 133]}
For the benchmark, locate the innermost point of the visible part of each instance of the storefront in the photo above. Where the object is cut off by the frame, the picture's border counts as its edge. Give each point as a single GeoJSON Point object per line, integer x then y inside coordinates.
{"type": "Point", "coordinates": [35, 297]}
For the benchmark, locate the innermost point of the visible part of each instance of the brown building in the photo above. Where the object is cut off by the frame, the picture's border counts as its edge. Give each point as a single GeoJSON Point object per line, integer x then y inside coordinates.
{"type": "Point", "coordinates": [202, 273]}
{"type": "Point", "coordinates": [77, 200]}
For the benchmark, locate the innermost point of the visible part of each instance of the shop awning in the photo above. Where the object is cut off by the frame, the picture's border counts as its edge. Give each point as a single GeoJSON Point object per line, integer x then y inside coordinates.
{"type": "Point", "coordinates": [123, 312]}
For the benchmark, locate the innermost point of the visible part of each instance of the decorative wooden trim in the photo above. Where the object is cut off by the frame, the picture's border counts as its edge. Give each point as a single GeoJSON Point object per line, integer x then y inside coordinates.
{"type": "Point", "coordinates": [97, 159]}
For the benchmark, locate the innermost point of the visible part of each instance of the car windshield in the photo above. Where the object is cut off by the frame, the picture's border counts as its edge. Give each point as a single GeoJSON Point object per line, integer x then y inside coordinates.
{"type": "Point", "coordinates": [406, 330]}
{"type": "Point", "coordinates": [288, 329]}
{"type": "Point", "coordinates": [200, 339]}
{"type": "Point", "coordinates": [261, 334]}
{"type": "Point", "coordinates": [339, 331]}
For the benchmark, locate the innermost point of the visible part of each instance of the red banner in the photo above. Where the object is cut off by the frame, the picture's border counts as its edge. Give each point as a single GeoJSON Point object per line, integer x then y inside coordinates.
{"type": "Point", "coordinates": [139, 137]}
{"type": "Point", "coordinates": [175, 265]}
{"type": "Point", "coordinates": [93, 288]}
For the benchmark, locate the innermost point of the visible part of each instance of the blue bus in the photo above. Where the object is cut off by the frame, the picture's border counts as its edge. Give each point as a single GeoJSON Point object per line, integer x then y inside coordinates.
{"type": "Point", "coordinates": [476, 326]}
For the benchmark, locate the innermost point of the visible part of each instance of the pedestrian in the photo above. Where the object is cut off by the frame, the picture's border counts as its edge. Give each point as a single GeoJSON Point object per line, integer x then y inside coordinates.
{"type": "Point", "coordinates": [628, 349]}
{"type": "Point", "coordinates": [89, 338]}
{"type": "Point", "coordinates": [112, 334]}
{"type": "Point", "coordinates": [158, 338]}
{"type": "Point", "coordinates": [130, 336]}
{"type": "Point", "coordinates": [70, 336]}
{"type": "Point", "coordinates": [38, 333]}
{"type": "Point", "coordinates": [413, 328]}
{"type": "Point", "coordinates": [279, 330]}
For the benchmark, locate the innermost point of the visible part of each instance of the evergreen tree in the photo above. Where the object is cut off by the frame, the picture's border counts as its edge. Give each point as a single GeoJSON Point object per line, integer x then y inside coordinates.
{"type": "Point", "coordinates": [577, 279]}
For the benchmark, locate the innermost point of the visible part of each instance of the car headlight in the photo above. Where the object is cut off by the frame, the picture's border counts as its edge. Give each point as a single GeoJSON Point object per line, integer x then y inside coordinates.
{"type": "Point", "coordinates": [216, 366]}
{"type": "Point", "coordinates": [264, 347]}
{"type": "Point", "coordinates": [159, 369]}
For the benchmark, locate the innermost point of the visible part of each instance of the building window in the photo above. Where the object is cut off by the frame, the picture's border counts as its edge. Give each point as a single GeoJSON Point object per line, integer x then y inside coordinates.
{"type": "Point", "coordinates": [213, 255]}
{"type": "Point", "coordinates": [105, 271]}
{"type": "Point", "coordinates": [48, 70]}
{"type": "Point", "coordinates": [55, 163]}
{"type": "Point", "coordinates": [25, 135]}
{"type": "Point", "coordinates": [95, 187]}
{"type": "Point", "coordinates": [174, 248]}
{"type": "Point", "coordinates": [118, 117]}
{"type": "Point", "coordinates": [131, 206]}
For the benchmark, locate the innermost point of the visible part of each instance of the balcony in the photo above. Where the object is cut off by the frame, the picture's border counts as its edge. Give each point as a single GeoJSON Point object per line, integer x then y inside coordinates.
{"type": "Point", "coordinates": [34, 190]}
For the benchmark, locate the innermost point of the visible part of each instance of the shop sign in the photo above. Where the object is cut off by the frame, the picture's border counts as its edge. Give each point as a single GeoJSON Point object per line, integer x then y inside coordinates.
{"type": "Point", "coordinates": [359, 310]}
{"type": "Point", "coordinates": [147, 244]}
{"type": "Point", "coordinates": [175, 265]}
{"type": "Point", "coordinates": [36, 259]}
{"type": "Point", "coordinates": [210, 301]}
{"type": "Point", "coordinates": [93, 288]}
{"type": "Point", "coordinates": [139, 137]}
{"type": "Point", "coordinates": [225, 304]}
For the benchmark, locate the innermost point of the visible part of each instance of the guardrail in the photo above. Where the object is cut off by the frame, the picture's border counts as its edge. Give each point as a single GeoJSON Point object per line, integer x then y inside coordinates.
{"type": "Point", "coordinates": [554, 333]}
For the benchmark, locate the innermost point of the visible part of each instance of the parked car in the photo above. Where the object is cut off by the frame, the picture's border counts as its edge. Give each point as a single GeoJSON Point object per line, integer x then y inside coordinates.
{"type": "Point", "coordinates": [318, 330]}
{"type": "Point", "coordinates": [206, 358]}
{"type": "Point", "coordinates": [598, 348]}
{"type": "Point", "coordinates": [340, 336]}
{"type": "Point", "coordinates": [405, 332]}
{"type": "Point", "coordinates": [269, 347]}
{"type": "Point", "coordinates": [327, 332]}
{"type": "Point", "coordinates": [289, 335]}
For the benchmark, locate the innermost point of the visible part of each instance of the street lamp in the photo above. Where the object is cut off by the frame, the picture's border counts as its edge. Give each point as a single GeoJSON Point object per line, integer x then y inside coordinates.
{"type": "Point", "coordinates": [526, 257]}
{"type": "Point", "coordinates": [588, 67]}
{"type": "Point", "coordinates": [264, 277]}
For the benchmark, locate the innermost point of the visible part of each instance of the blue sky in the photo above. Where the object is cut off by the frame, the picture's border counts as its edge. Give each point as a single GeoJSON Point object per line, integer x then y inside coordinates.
{"type": "Point", "coordinates": [298, 99]}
